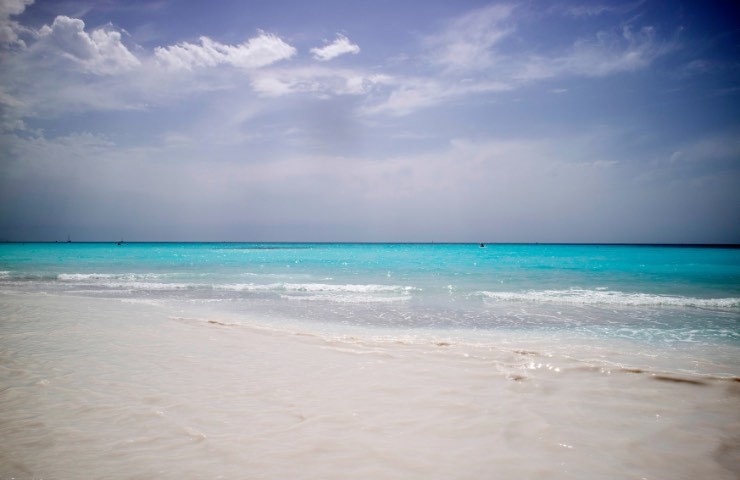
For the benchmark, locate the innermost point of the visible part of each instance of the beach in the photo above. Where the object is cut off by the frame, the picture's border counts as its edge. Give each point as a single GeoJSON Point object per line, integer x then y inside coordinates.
{"type": "Point", "coordinates": [369, 240]}
{"type": "Point", "coordinates": [178, 386]}
{"type": "Point", "coordinates": [180, 398]}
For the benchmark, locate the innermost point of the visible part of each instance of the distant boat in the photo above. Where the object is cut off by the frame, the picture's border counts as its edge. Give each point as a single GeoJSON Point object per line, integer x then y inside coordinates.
{"type": "Point", "coordinates": [482, 245]}
{"type": "Point", "coordinates": [68, 239]}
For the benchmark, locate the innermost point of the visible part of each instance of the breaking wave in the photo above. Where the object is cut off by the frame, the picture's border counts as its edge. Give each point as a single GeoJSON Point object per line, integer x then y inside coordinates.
{"type": "Point", "coordinates": [304, 291]}
{"type": "Point", "coordinates": [346, 293]}
{"type": "Point", "coordinates": [318, 287]}
{"type": "Point", "coordinates": [601, 297]}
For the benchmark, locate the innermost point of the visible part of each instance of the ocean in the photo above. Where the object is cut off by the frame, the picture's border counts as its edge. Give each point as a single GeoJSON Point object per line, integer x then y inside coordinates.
{"type": "Point", "coordinates": [303, 360]}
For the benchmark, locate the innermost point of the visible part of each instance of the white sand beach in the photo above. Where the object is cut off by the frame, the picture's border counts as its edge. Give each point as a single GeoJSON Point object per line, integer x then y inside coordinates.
{"type": "Point", "coordinates": [102, 388]}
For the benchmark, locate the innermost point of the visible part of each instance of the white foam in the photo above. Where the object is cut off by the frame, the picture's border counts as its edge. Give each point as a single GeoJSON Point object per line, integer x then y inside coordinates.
{"type": "Point", "coordinates": [249, 287]}
{"type": "Point", "coordinates": [319, 288]}
{"type": "Point", "coordinates": [127, 281]}
{"type": "Point", "coordinates": [348, 288]}
{"type": "Point", "coordinates": [84, 277]}
{"type": "Point", "coordinates": [149, 285]}
{"type": "Point", "coordinates": [352, 298]}
{"type": "Point", "coordinates": [153, 281]}
{"type": "Point", "coordinates": [76, 277]}
{"type": "Point", "coordinates": [602, 297]}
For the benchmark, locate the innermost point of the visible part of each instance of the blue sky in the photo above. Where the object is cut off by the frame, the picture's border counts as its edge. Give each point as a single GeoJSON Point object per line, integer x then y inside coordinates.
{"type": "Point", "coordinates": [370, 121]}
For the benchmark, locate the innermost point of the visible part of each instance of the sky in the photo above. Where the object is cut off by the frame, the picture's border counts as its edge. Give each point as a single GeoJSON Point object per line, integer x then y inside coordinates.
{"type": "Point", "coordinates": [412, 121]}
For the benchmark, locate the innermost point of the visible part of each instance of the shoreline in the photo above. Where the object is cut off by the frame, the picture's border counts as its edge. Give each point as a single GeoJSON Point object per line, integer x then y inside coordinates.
{"type": "Point", "coordinates": [96, 387]}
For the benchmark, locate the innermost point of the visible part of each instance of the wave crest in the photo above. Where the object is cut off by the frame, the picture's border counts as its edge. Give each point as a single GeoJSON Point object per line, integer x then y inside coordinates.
{"type": "Point", "coordinates": [151, 281]}
{"type": "Point", "coordinates": [319, 288]}
{"type": "Point", "coordinates": [601, 297]}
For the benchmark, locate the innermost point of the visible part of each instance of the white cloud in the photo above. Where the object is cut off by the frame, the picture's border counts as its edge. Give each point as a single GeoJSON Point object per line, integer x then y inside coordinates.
{"type": "Point", "coordinates": [52, 76]}
{"type": "Point", "coordinates": [100, 51]}
{"type": "Point", "coordinates": [410, 96]}
{"type": "Point", "coordinates": [256, 52]}
{"type": "Point", "coordinates": [272, 85]}
{"type": "Point", "coordinates": [596, 9]}
{"type": "Point", "coordinates": [9, 29]}
{"type": "Point", "coordinates": [466, 58]}
{"type": "Point", "coordinates": [68, 69]}
{"type": "Point", "coordinates": [316, 80]}
{"type": "Point", "coordinates": [340, 46]}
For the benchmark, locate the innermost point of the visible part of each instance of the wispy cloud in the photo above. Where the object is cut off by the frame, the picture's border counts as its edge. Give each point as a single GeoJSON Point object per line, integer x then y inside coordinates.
{"type": "Point", "coordinates": [469, 57]}
{"type": "Point", "coordinates": [467, 43]}
{"type": "Point", "coordinates": [340, 46]}
{"type": "Point", "coordinates": [316, 80]}
{"type": "Point", "coordinates": [715, 152]}
{"type": "Point", "coordinates": [262, 50]}
{"type": "Point", "coordinates": [406, 95]}
{"type": "Point", "coordinates": [594, 9]}
{"type": "Point", "coordinates": [603, 54]}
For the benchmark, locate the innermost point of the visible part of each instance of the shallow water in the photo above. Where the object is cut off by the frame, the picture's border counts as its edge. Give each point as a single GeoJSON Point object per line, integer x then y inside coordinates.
{"type": "Point", "coordinates": [174, 365]}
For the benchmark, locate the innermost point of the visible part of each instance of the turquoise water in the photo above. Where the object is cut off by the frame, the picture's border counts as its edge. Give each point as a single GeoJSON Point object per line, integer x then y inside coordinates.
{"type": "Point", "coordinates": [651, 293]}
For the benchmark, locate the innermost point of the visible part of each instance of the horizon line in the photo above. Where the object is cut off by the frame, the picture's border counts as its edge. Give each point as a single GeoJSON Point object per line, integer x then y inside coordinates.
{"type": "Point", "coordinates": [305, 242]}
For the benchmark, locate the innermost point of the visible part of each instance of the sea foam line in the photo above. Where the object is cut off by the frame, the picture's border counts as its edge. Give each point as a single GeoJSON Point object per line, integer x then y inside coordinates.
{"type": "Point", "coordinates": [148, 281]}
{"type": "Point", "coordinates": [82, 277]}
{"type": "Point", "coordinates": [600, 297]}
{"type": "Point", "coordinates": [318, 288]}
{"type": "Point", "coordinates": [353, 298]}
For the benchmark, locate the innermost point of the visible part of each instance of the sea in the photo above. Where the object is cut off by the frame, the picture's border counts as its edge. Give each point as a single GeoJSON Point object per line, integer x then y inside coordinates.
{"type": "Point", "coordinates": [326, 360]}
